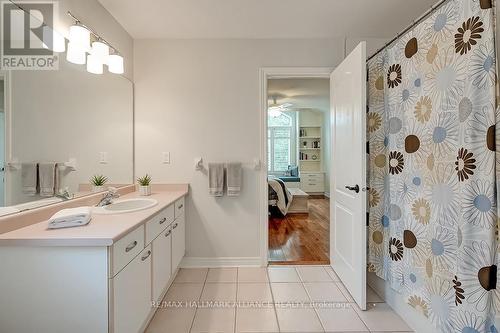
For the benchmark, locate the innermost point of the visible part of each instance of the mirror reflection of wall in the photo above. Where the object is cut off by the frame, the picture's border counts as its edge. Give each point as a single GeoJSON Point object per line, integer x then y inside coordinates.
{"type": "Point", "coordinates": [2, 141]}
{"type": "Point", "coordinates": [66, 115]}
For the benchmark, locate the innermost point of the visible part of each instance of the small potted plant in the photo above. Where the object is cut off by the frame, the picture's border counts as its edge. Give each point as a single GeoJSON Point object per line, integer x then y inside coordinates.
{"type": "Point", "coordinates": [144, 185]}
{"type": "Point", "coordinates": [98, 182]}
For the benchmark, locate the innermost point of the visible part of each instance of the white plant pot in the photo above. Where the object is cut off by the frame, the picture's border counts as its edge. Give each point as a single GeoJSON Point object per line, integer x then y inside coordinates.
{"type": "Point", "coordinates": [145, 190]}
{"type": "Point", "coordinates": [96, 189]}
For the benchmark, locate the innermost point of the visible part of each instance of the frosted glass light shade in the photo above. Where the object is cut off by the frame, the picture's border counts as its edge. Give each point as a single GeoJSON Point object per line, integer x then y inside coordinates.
{"type": "Point", "coordinates": [75, 54]}
{"type": "Point", "coordinates": [115, 64]}
{"type": "Point", "coordinates": [94, 64]}
{"type": "Point", "coordinates": [80, 37]}
{"type": "Point", "coordinates": [101, 51]}
{"type": "Point", "coordinates": [52, 40]}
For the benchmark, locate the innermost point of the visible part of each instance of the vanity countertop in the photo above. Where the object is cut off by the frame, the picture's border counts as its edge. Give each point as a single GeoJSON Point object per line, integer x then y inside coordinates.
{"type": "Point", "coordinates": [103, 229]}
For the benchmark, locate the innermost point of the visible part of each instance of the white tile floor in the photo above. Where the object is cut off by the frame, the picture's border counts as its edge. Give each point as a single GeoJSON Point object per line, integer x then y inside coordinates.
{"type": "Point", "coordinates": [290, 299]}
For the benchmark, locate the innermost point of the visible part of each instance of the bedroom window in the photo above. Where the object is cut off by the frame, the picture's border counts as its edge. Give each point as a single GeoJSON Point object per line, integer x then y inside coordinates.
{"type": "Point", "coordinates": [279, 142]}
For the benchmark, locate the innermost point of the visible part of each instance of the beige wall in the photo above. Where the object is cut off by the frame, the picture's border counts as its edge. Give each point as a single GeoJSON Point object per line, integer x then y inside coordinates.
{"type": "Point", "coordinates": [201, 98]}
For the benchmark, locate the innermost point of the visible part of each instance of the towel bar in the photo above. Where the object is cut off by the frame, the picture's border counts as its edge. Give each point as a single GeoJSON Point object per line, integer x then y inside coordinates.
{"type": "Point", "coordinates": [255, 164]}
{"type": "Point", "coordinates": [68, 165]}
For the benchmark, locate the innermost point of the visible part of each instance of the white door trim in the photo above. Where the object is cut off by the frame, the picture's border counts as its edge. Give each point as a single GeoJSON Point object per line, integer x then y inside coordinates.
{"type": "Point", "coordinates": [267, 73]}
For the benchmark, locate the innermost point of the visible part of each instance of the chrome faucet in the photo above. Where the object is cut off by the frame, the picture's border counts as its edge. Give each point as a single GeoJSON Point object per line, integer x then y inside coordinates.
{"type": "Point", "coordinates": [108, 197]}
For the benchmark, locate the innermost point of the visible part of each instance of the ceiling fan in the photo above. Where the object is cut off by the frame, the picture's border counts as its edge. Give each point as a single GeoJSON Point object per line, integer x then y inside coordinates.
{"type": "Point", "coordinates": [275, 109]}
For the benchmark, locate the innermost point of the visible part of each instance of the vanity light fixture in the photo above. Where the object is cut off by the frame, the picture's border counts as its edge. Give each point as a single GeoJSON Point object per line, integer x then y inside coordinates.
{"type": "Point", "coordinates": [79, 36]}
{"type": "Point", "coordinates": [94, 64]}
{"type": "Point", "coordinates": [53, 40]}
{"type": "Point", "coordinates": [101, 53]}
{"type": "Point", "coordinates": [115, 64]}
{"type": "Point", "coordinates": [75, 54]}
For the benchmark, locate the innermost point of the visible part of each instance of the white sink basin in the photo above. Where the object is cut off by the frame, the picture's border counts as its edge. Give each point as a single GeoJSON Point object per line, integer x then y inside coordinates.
{"type": "Point", "coordinates": [126, 206]}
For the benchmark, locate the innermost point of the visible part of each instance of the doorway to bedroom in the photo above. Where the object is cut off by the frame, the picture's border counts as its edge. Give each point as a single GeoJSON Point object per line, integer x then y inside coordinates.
{"type": "Point", "coordinates": [298, 155]}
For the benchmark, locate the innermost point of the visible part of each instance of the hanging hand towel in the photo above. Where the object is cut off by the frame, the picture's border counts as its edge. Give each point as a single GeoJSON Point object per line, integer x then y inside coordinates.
{"type": "Point", "coordinates": [233, 179]}
{"type": "Point", "coordinates": [70, 217]}
{"type": "Point", "coordinates": [48, 175]}
{"type": "Point", "coordinates": [216, 179]}
{"type": "Point", "coordinates": [29, 177]}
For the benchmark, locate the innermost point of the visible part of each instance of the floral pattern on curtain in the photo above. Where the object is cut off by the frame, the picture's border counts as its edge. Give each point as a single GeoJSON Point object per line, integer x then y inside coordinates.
{"type": "Point", "coordinates": [432, 163]}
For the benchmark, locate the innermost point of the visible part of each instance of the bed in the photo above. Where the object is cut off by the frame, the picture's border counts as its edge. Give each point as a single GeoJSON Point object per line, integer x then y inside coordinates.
{"type": "Point", "coordinates": [279, 197]}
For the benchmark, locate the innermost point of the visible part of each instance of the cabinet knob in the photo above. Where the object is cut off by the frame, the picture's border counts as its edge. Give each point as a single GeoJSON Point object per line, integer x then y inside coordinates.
{"type": "Point", "coordinates": [180, 206]}
{"type": "Point", "coordinates": [168, 232]}
{"type": "Point", "coordinates": [146, 255]}
{"type": "Point", "coordinates": [163, 220]}
{"type": "Point", "coordinates": [131, 246]}
{"type": "Point", "coordinates": [175, 225]}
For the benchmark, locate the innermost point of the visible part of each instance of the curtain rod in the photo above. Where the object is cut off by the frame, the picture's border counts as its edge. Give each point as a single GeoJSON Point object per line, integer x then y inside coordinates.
{"type": "Point", "coordinates": [415, 22]}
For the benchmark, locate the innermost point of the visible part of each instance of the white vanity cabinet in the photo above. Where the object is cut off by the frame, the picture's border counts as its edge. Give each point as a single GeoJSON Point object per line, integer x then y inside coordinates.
{"type": "Point", "coordinates": [146, 278]}
{"type": "Point", "coordinates": [92, 285]}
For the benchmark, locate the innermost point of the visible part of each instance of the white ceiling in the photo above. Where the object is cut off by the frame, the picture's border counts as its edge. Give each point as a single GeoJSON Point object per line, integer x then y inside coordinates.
{"type": "Point", "coordinates": [302, 93]}
{"type": "Point", "coordinates": [265, 18]}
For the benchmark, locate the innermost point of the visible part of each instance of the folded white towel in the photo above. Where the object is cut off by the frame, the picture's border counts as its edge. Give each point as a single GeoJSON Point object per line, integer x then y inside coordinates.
{"type": "Point", "coordinates": [233, 179]}
{"type": "Point", "coordinates": [48, 175]}
{"type": "Point", "coordinates": [70, 217]}
{"type": "Point", "coordinates": [29, 177]}
{"type": "Point", "coordinates": [216, 179]}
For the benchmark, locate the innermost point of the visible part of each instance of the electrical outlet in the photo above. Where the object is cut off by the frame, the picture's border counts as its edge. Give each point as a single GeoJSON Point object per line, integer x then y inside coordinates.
{"type": "Point", "coordinates": [166, 157]}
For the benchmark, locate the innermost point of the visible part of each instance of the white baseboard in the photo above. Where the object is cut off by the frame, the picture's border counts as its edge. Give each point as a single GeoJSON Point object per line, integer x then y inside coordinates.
{"type": "Point", "coordinates": [327, 194]}
{"type": "Point", "coordinates": [196, 262]}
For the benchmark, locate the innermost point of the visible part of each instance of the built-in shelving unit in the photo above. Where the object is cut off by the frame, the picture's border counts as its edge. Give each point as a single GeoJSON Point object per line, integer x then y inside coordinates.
{"type": "Point", "coordinates": [309, 148]}
{"type": "Point", "coordinates": [310, 151]}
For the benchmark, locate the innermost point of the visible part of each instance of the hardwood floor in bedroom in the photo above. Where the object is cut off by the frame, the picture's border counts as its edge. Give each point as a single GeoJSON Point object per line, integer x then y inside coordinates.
{"type": "Point", "coordinates": [302, 239]}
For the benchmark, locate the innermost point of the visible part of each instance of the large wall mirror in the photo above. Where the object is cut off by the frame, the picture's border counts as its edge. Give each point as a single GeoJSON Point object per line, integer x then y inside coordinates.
{"type": "Point", "coordinates": [68, 120]}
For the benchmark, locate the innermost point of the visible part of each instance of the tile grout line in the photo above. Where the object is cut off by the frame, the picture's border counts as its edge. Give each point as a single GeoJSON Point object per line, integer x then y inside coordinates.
{"type": "Point", "coordinates": [314, 307]}
{"type": "Point", "coordinates": [272, 299]}
{"type": "Point", "coordinates": [236, 299]}
{"type": "Point", "coordinates": [199, 298]}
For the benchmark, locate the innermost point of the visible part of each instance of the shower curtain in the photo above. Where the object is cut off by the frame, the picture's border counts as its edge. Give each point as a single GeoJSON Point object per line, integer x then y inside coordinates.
{"type": "Point", "coordinates": [432, 167]}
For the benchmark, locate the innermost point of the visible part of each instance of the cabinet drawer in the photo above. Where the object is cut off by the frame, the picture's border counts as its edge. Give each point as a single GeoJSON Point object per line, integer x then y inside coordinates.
{"type": "Point", "coordinates": [179, 207]}
{"type": "Point", "coordinates": [158, 223]}
{"type": "Point", "coordinates": [313, 187]}
{"type": "Point", "coordinates": [127, 248]}
{"type": "Point", "coordinates": [313, 176]}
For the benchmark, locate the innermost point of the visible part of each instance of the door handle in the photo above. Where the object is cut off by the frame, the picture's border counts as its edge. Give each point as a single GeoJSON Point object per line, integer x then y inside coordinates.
{"type": "Point", "coordinates": [354, 188]}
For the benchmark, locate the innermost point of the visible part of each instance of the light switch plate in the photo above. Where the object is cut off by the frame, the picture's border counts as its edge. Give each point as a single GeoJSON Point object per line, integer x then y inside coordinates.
{"type": "Point", "coordinates": [166, 157]}
{"type": "Point", "coordinates": [103, 157]}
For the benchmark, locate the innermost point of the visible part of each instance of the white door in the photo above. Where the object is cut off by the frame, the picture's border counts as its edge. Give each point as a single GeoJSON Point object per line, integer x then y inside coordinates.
{"type": "Point", "coordinates": [348, 196]}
